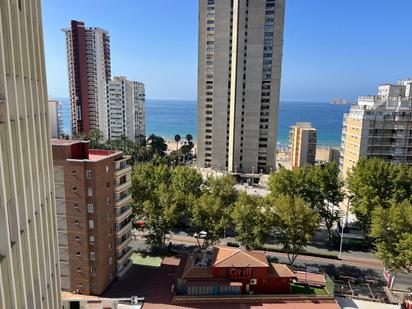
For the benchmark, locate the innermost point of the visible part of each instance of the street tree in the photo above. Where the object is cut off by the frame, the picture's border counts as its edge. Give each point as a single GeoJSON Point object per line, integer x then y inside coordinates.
{"type": "Point", "coordinates": [392, 230]}
{"type": "Point", "coordinates": [323, 192]}
{"type": "Point", "coordinates": [222, 187]}
{"type": "Point", "coordinates": [248, 218]}
{"type": "Point", "coordinates": [374, 183]}
{"type": "Point", "coordinates": [189, 138]}
{"type": "Point", "coordinates": [210, 214]}
{"type": "Point", "coordinates": [296, 224]}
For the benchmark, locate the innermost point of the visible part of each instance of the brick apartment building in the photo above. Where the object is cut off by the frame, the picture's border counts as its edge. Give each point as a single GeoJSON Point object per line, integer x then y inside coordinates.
{"type": "Point", "coordinates": [93, 214]}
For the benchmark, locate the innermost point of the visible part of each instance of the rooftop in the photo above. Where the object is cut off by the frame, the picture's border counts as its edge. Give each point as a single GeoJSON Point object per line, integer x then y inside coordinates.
{"type": "Point", "coordinates": [66, 142]}
{"type": "Point", "coordinates": [228, 257]}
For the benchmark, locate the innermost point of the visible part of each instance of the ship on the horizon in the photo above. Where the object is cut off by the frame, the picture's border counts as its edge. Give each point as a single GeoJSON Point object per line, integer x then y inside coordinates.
{"type": "Point", "coordinates": [341, 101]}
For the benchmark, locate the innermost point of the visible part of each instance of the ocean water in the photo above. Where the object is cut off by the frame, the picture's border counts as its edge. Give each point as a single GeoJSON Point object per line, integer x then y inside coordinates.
{"type": "Point", "coordinates": [170, 117]}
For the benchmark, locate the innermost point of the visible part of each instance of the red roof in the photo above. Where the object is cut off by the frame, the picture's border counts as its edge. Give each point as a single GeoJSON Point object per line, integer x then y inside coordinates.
{"type": "Point", "coordinates": [228, 257]}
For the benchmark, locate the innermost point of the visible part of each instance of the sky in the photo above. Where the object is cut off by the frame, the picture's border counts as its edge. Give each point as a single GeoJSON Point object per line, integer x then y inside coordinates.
{"type": "Point", "coordinates": [332, 48]}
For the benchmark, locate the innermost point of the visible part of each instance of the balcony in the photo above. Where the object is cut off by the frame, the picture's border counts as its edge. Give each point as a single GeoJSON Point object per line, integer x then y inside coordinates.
{"type": "Point", "coordinates": [122, 242]}
{"type": "Point", "coordinates": [125, 254]}
{"type": "Point", "coordinates": [122, 186]}
{"type": "Point", "coordinates": [122, 198]}
{"type": "Point", "coordinates": [122, 214]}
{"type": "Point", "coordinates": [121, 167]}
{"type": "Point", "coordinates": [123, 229]}
{"type": "Point", "coordinates": [122, 269]}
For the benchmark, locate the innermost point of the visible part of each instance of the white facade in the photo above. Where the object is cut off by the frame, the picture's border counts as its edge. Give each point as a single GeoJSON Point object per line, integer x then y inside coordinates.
{"type": "Point", "coordinates": [29, 267]}
{"type": "Point", "coordinates": [379, 126]}
{"type": "Point", "coordinates": [55, 118]}
{"type": "Point", "coordinates": [239, 57]}
{"type": "Point", "coordinates": [125, 109]}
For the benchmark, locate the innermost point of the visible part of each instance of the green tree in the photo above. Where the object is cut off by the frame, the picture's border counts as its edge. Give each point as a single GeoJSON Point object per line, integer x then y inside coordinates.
{"type": "Point", "coordinates": [287, 182]}
{"type": "Point", "coordinates": [392, 231]}
{"type": "Point", "coordinates": [296, 224]}
{"type": "Point", "coordinates": [211, 215]}
{"type": "Point", "coordinates": [222, 187]}
{"type": "Point", "coordinates": [157, 144]}
{"type": "Point", "coordinates": [324, 192]}
{"type": "Point", "coordinates": [96, 139]}
{"type": "Point", "coordinates": [177, 140]}
{"type": "Point", "coordinates": [374, 183]}
{"type": "Point", "coordinates": [248, 218]}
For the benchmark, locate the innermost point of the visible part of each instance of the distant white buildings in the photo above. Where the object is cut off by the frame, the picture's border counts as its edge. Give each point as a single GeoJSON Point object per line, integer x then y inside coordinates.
{"type": "Point", "coordinates": [55, 118]}
{"type": "Point", "coordinates": [125, 109]}
{"type": "Point", "coordinates": [115, 106]}
{"type": "Point", "coordinates": [379, 126]}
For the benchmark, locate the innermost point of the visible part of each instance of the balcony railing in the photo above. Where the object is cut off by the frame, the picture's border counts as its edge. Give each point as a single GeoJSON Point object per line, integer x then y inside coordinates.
{"type": "Point", "coordinates": [124, 229]}
{"type": "Point", "coordinates": [123, 241]}
{"type": "Point", "coordinates": [122, 186]}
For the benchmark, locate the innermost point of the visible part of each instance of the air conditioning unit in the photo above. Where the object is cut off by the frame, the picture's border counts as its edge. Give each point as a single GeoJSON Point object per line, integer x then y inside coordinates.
{"type": "Point", "coordinates": [134, 300]}
{"type": "Point", "coordinates": [253, 281]}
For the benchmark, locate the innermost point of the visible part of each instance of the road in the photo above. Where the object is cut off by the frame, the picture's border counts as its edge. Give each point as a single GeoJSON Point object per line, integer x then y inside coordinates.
{"type": "Point", "coordinates": [361, 266]}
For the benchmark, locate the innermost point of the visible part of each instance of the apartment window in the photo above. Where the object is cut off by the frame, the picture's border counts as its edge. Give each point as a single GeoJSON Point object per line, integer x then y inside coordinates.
{"type": "Point", "coordinates": [78, 253]}
{"type": "Point", "coordinates": [93, 271]}
{"type": "Point", "coordinates": [108, 185]}
{"type": "Point", "coordinates": [90, 208]}
{"type": "Point", "coordinates": [108, 201]}
{"type": "Point", "coordinates": [76, 205]}
{"type": "Point", "coordinates": [88, 174]}
{"type": "Point", "coordinates": [110, 260]}
{"type": "Point", "coordinates": [74, 189]}
{"type": "Point", "coordinates": [77, 238]}
{"type": "Point", "coordinates": [93, 256]}
{"type": "Point", "coordinates": [74, 172]}
{"type": "Point", "coordinates": [110, 246]}
{"type": "Point", "coordinates": [79, 269]}
{"type": "Point", "coordinates": [94, 286]}
{"type": "Point", "coordinates": [89, 192]}
{"type": "Point", "coordinates": [107, 169]}
{"type": "Point", "coordinates": [76, 222]}
{"type": "Point", "coordinates": [91, 224]}
{"type": "Point", "coordinates": [91, 239]}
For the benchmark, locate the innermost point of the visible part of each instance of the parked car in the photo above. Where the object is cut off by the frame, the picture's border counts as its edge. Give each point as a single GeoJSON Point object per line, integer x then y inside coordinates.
{"type": "Point", "coordinates": [138, 224]}
{"type": "Point", "coordinates": [200, 235]}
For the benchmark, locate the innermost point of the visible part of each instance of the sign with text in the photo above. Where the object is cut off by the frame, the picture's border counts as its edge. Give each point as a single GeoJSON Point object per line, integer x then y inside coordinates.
{"type": "Point", "coordinates": [240, 273]}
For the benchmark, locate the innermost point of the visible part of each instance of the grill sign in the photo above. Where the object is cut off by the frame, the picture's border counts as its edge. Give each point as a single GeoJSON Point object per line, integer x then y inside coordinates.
{"type": "Point", "coordinates": [240, 273]}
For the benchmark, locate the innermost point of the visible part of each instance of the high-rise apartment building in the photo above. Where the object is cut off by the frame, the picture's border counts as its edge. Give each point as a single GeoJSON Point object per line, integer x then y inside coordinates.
{"type": "Point", "coordinates": [88, 59]}
{"type": "Point", "coordinates": [240, 57]}
{"type": "Point", "coordinates": [55, 118]}
{"type": "Point", "coordinates": [126, 109]}
{"type": "Point", "coordinates": [29, 268]}
{"type": "Point", "coordinates": [93, 213]}
{"type": "Point", "coordinates": [302, 143]}
{"type": "Point", "coordinates": [379, 126]}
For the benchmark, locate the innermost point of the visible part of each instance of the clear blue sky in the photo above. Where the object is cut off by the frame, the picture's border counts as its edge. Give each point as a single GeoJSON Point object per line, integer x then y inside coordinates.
{"type": "Point", "coordinates": [332, 48]}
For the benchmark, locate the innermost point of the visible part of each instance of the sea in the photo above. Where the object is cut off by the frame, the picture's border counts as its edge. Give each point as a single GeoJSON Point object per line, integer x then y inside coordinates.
{"type": "Point", "coordinates": [169, 117]}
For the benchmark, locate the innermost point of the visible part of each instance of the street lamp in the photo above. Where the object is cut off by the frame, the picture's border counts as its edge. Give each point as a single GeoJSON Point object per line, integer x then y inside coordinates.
{"type": "Point", "coordinates": [343, 227]}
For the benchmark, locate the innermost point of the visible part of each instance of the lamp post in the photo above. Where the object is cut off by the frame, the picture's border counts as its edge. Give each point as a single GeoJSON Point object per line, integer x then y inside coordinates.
{"type": "Point", "coordinates": [343, 227]}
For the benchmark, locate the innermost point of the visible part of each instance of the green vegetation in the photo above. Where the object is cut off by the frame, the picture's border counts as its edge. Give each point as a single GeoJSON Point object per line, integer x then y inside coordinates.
{"type": "Point", "coordinates": [319, 186]}
{"type": "Point", "coordinates": [303, 289]}
{"type": "Point", "coordinates": [147, 260]}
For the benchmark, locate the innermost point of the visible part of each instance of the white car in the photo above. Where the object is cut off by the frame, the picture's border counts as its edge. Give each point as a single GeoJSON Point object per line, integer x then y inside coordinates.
{"type": "Point", "coordinates": [201, 235]}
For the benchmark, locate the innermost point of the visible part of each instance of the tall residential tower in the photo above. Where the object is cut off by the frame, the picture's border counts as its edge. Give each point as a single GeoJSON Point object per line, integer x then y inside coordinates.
{"type": "Point", "coordinates": [88, 59]}
{"type": "Point", "coordinates": [302, 140]}
{"type": "Point", "coordinates": [240, 57]}
{"type": "Point", "coordinates": [379, 126]}
{"type": "Point", "coordinates": [29, 264]}
{"type": "Point", "coordinates": [126, 109]}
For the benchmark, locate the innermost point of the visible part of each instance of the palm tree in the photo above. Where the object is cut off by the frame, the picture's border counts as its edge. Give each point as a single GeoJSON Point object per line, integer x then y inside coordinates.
{"type": "Point", "coordinates": [189, 138]}
{"type": "Point", "coordinates": [177, 139]}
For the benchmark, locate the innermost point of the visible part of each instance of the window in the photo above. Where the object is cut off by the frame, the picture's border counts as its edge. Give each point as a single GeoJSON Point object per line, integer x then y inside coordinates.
{"type": "Point", "coordinates": [91, 224]}
{"type": "Point", "coordinates": [73, 172]}
{"type": "Point", "coordinates": [110, 246]}
{"type": "Point", "coordinates": [108, 185]}
{"type": "Point", "coordinates": [74, 189]}
{"type": "Point", "coordinates": [110, 260]}
{"type": "Point", "coordinates": [76, 205]}
{"type": "Point", "coordinates": [91, 239]}
{"type": "Point", "coordinates": [78, 238]}
{"type": "Point", "coordinates": [108, 201]}
{"type": "Point", "coordinates": [93, 256]}
{"type": "Point", "coordinates": [94, 286]}
{"type": "Point", "coordinates": [93, 271]}
{"type": "Point", "coordinates": [88, 174]}
{"type": "Point", "coordinates": [78, 253]}
{"type": "Point", "coordinates": [79, 269]}
{"type": "Point", "coordinates": [107, 169]}
{"type": "Point", "coordinates": [76, 222]}
{"type": "Point", "coordinates": [90, 208]}
{"type": "Point", "coordinates": [89, 192]}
